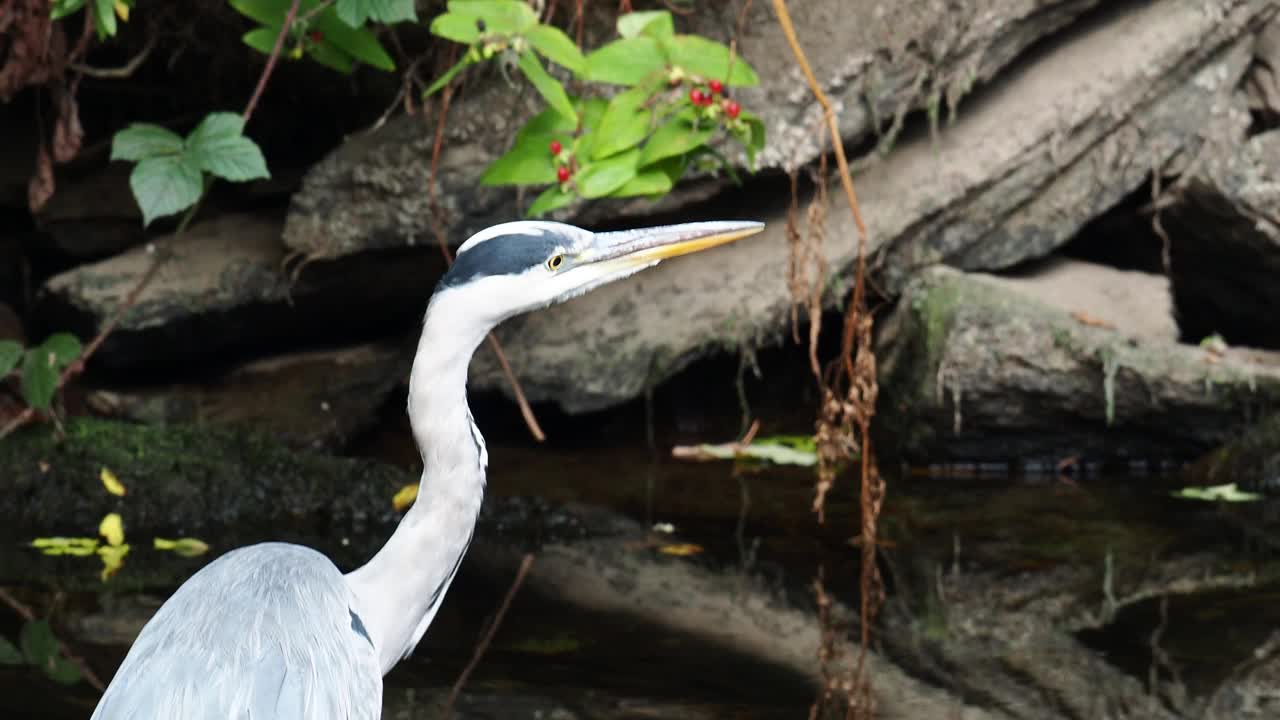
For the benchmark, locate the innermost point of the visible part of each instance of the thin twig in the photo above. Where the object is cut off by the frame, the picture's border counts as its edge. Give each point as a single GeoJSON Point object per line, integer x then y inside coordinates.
{"type": "Point", "coordinates": [89, 675]}
{"type": "Point", "coordinates": [492, 630]}
{"type": "Point", "coordinates": [437, 228]}
{"type": "Point", "coordinates": [271, 61]}
{"type": "Point", "coordinates": [118, 73]}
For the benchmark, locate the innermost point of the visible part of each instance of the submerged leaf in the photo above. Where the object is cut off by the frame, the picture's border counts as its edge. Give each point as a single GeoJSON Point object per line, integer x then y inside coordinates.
{"type": "Point", "coordinates": [1217, 493]}
{"type": "Point", "coordinates": [112, 559]}
{"type": "Point", "coordinates": [186, 547]}
{"type": "Point", "coordinates": [680, 549]}
{"type": "Point", "coordinates": [112, 528]}
{"type": "Point", "coordinates": [778, 451]}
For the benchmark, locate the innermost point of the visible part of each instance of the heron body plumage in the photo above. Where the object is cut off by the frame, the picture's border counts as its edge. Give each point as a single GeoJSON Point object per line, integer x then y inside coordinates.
{"type": "Point", "coordinates": [275, 631]}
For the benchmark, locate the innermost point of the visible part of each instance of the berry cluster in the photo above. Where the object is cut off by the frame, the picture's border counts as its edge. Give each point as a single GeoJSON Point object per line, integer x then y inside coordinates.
{"type": "Point", "coordinates": [563, 173]}
{"type": "Point", "coordinates": [707, 98]}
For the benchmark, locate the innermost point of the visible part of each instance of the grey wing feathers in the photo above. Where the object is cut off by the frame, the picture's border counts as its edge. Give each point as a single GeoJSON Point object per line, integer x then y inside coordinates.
{"type": "Point", "coordinates": [266, 632]}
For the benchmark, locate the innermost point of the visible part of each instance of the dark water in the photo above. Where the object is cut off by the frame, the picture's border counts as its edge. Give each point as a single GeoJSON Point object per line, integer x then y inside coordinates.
{"type": "Point", "coordinates": [550, 660]}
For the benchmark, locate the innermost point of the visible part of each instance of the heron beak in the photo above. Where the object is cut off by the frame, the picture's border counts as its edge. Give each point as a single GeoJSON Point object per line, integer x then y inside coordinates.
{"type": "Point", "coordinates": [648, 246]}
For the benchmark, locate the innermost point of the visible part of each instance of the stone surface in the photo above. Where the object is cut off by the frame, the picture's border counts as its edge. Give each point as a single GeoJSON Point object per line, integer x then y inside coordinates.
{"type": "Point", "coordinates": [876, 60]}
{"type": "Point", "coordinates": [1029, 161]}
{"type": "Point", "coordinates": [1224, 233]}
{"type": "Point", "coordinates": [224, 289]}
{"type": "Point", "coordinates": [92, 215]}
{"type": "Point", "coordinates": [973, 369]}
{"type": "Point", "coordinates": [316, 400]}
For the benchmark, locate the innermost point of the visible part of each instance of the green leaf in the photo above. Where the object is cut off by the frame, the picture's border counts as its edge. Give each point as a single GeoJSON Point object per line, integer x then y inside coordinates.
{"type": "Point", "coordinates": [143, 140]}
{"type": "Point", "coordinates": [547, 124]}
{"type": "Point", "coordinates": [624, 125]}
{"type": "Point", "coordinates": [458, 28]}
{"type": "Point", "coordinates": [164, 186]}
{"type": "Point", "coordinates": [601, 178]}
{"type": "Point", "coordinates": [654, 23]}
{"type": "Point", "coordinates": [449, 74]}
{"type": "Point", "coordinates": [39, 378]}
{"type": "Point", "coordinates": [550, 88]}
{"type": "Point", "coordinates": [10, 355]}
{"type": "Point", "coordinates": [628, 61]}
{"type": "Point", "coordinates": [709, 59]}
{"type": "Point", "coordinates": [504, 17]}
{"type": "Point", "coordinates": [529, 162]}
{"type": "Point", "coordinates": [62, 671]}
{"type": "Point", "coordinates": [63, 8]}
{"type": "Point", "coordinates": [556, 47]}
{"type": "Point", "coordinates": [359, 43]}
{"type": "Point", "coordinates": [38, 643]}
{"type": "Point", "coordinates": [261, 39]}
{"type": "Point", "coordinates": [64, 347]}
{"type": "Point", "coordinates": [752, 136]}
{"type": "Point", "coordinates": [9, 653]}
{"type": "Point", "coordinates": [355, 12]}
{"type": "Point", "coordinates": [218, 146]}
{"type": "Point", "coordinates": [1217, 493]}
{"type": "Point", "coordinates": [676, 136]}
{"type": "Point", "coordinates": [332, 58]}
{"type": "Point", "coordinates": [104, 18]}
{"type": "Point", "coordinates": [268, 12]}
{"type": "Point", "coordinates": [553, 198]}
{"type": "Point", "coordinates": [654, 181]}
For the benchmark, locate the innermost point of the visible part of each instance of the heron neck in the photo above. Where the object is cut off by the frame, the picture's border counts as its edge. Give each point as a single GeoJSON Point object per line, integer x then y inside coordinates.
{"type": "Point", "coordinates": [401, 588]}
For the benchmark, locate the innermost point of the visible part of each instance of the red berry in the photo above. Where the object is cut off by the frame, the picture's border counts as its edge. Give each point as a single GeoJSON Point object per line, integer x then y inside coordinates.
{"type": "Point", "coordinates": [556, 147]}
{"type": "Point", "coordinates": [696, 96]}
{"type": "Point", "coordinates": [717, 87]}
{"type": "Point", "coordinates": [562, 173]}
{"type": "Point", "coordinates": [316, 36]}
{"type": "Point", "coordinates": [732, 109]}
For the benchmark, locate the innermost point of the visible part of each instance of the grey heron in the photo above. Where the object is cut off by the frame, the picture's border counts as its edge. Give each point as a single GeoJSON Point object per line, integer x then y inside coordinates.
{"type": "Point", "coordinates": [276, 631]}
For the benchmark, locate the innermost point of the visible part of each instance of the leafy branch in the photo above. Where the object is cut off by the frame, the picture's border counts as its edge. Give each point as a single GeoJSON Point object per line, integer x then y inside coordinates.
{"type": "Point", "coordinates": [674, 103]}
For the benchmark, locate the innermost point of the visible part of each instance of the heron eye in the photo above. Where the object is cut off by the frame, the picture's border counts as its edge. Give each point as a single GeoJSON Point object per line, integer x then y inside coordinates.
{"type": "Point", "coordinates": [555, 262]}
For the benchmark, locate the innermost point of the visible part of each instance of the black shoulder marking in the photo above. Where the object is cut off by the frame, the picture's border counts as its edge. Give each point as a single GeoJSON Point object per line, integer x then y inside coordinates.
{"type": "Point", "coordinates": [358, 627]}
{"type": "Point", "coordinates": [501, 255]}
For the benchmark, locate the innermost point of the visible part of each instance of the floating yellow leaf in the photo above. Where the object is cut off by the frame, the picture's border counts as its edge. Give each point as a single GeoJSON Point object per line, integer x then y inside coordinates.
{"type": "Point", "coordinates": [111, 483]}
{"type": "Point", "coordinates": [80, 547]}
{"type": "Point", "coordinates": [122, 10]}
{"type": "Point", "coordinates": [112, 528]}
{"type": "Point", "coordinates": [405, 497]}
{"type": "Point", "coordinates": [680, 549]}
{"type": "Point", "coordinates": [186, 547]}
{"type": "Point", "coordinates": [112, 559]}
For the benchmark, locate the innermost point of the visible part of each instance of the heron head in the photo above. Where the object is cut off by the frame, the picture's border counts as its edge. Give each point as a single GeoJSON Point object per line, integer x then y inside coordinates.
{"type": "Point", "coordinates": [516, 267]}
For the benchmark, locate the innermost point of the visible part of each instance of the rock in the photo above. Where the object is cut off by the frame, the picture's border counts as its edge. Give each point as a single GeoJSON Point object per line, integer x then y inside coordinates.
{"type": "Point", "coordinates": [224, 289]}
{"type": "Point", "coordinates": [875, 59]}
{"type": "Point", "coordinates": [1026, 164]}
{"type": "Point", "coordinates": [1225, 245]}
{"type": "Point", "coordinates": [1252, 460]}
{"type": "Point", "coordinates": [971, 368]}
{"type": "Point", "coordinates": [318, 400]}
{"type": "Point", "coordinates": [11, 268]}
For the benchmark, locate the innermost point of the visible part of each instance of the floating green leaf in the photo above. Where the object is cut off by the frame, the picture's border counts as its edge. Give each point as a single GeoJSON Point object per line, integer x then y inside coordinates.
{"type": "Point", "coordinates": [144, 140]}
{"type": "Point", "coordinates": [458, 28]}
{"type": "Point", "coordinates": [39, 378]}
{"type": "Point", "coordinates": [1217, 493]}
{"type": "Point", "coordinates": [555, 46]}
{"type": "Point", "coordinates": [504, 17]}
{"type": "Point", "coordinates": [628, 61]}
{"type": "Point", "coordinates": [677, 136]}
{"type": "Point", "coordinates": [654, 23]}
{"type": "Point", "coordinates": [218, 146]}
{"type": "Point", "coordinates": [777, 451]}
{"type": "Point", "coordinates": [550, 88]}
{"type": "Point", "coordinates": [527, 163]}
{"type": "Point", "coordinates": [624, 125]}
{"type": "Point", "coordinates": [553, 198]}
{"type": "Point", "coordinates": [356, 12]}
{"type": "Point", "coordinates": [601, 178]}
{"type": "Point", "coordinates": [10, 356]}
{"type": "Point", "coordinates": [164, 186]}
{"type": "Point", "coordinates": [709, 59]}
